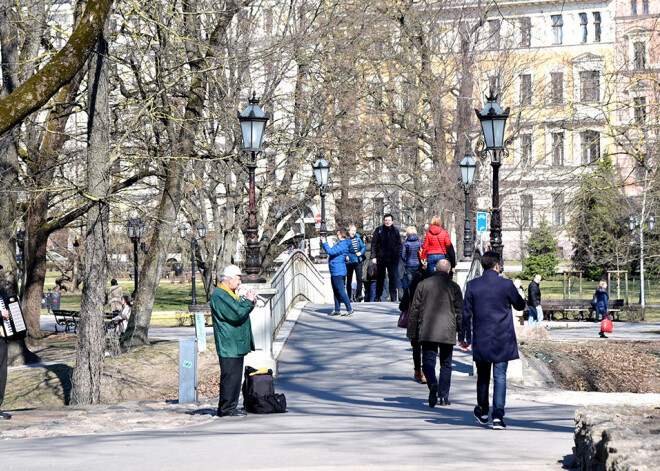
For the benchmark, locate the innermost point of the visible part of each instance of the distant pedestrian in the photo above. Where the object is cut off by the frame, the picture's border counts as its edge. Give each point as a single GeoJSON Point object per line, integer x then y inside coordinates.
{"type": "Point", "coordinates": [404, 305]}
{"type": "Point", "coordinates": [121, 319]}
{"type": "Point", "coordinates": [437, 245]}
{"type": "Point", "coordinates": [354, 263]}
{"type": "Point", "coordinates": [385, 252]}
{"type": "Point", "coordinates": [369, 274]}
{"type": "Point", "coordinates": [534, 301]}
{"type": "Point", "coordinates": [436, 317]}
{"type": "Point", "coordinates": [3, 365]}
{"type": "Point", "coordinates": [410, 256]}
{"type": "Point", "coordinates": [602, 299]}
{"type": "Point", "coordinates": [519, 315]}
{"type": "Point", "coordinates": [488, 326]}
{"type": "Point", "coordinates": [115, 294]}
{"type": "Point", "coordinates": [233, 336]}
{"type": "Point", "coordinates": [337, 261]}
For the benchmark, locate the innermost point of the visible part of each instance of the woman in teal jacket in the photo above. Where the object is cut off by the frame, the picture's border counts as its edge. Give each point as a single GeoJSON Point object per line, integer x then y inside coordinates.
{"type": "Point", "coordinates": [337, 263]}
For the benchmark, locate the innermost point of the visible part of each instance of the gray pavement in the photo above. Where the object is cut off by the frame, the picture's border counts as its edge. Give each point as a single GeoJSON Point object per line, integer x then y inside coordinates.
{"type": "Point", "coordinates": [352, 404]}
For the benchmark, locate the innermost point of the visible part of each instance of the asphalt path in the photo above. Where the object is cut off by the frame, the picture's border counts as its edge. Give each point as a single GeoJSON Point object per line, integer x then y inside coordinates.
{"type": "Point", "coordinates": [352, 404]}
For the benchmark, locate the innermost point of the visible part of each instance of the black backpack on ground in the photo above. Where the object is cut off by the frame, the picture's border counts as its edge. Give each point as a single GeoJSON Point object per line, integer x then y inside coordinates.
{"type": "Point", "coordinates": [259, 395]}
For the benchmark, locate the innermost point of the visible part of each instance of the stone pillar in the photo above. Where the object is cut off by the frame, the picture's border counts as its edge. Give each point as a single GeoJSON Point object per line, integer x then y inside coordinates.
{"type": "Point", "coordinates": [260, 318]}
{"type": "Point", "coordinates": [462, 270]}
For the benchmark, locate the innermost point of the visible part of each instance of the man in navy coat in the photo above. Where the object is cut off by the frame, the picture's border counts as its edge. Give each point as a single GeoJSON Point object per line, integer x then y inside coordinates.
{"type": "Point", "coordinates": [487, 317]}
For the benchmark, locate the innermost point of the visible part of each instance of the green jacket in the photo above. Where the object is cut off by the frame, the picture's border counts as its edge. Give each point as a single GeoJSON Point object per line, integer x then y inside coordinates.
{"type": "Point", "coordinates": [231, 324]}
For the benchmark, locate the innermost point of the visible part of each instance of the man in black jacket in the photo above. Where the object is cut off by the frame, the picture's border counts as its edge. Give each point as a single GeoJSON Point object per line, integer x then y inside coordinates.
{"type": "Point", "coordinates": [534, 301]}
{"type": "Point", "coordinates": [385, 252]}
{"type": "Point", "coordinates": [435, 318]}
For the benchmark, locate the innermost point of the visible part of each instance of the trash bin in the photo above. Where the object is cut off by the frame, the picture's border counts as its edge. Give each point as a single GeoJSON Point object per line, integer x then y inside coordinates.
{"type": "Point", "coordinates": [178, 269]}
{"type": "Point", "coordinates": [55, 301]}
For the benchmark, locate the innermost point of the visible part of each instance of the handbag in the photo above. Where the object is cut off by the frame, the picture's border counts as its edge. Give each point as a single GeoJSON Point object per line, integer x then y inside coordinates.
{"type": "Point", "coordinates": [606, 325]}
{"type": "Point", "coordinates": [403, 318]}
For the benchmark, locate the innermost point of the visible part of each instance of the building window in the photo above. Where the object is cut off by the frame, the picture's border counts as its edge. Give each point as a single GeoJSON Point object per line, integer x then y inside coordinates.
{"type": "Point", "coordinates": [640, 55]}
{"type": "Point", "coordinates": [557, 29]}
{"type": "Point", "coordinates": [645, 7]}
{"type": "Point", "coordinates": [590, 147]}
{"type": "Point", "coordinates": [597, 26]}
{"type": "Point", "coordinates": [379, 211]}
{"type": "Point", "coordinates": [558, 148]}
{"type": "Point", "coordinates": [583, 26]}
{"type": "Point", "coordinates": [525, 149]}
{"type": "Point", "coordinates": [558, 217]}
{"type": "Point", "coordinates": [633, 7]}
{"type": "Point", "coordinates": [640, 109]}
{"type": "Point", "coordinates": [495, 37]}
{"type": "Point", "coordinates": [527, 210]}
{"type": "Point", "coordinates": [556, 88]}
{"type": "Point", "coordinates": [525, 32]}
{"type": "Point", "coordinates": [526, 89]}
{"type": "Point", "coordinates": [590, 86]}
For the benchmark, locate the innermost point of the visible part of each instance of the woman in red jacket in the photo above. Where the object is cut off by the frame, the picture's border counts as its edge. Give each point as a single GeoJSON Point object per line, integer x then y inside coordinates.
{"type": "Point", "coordinates": [437, 245]}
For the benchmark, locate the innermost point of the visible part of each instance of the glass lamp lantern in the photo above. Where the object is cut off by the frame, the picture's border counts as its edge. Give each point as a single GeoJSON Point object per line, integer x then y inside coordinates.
{"type": "Point", "coordinates": [253, 122]}
{"type": "Point", "coordinates": [493, 122]}
{"type": "Point", "coordinates": [321, 172]}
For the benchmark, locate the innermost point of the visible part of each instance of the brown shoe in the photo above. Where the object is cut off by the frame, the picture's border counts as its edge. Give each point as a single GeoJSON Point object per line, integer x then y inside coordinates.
{"type": "Point", "coordinates": [418, 376]}
{"type": "Point", "coordinates": [423, 379]}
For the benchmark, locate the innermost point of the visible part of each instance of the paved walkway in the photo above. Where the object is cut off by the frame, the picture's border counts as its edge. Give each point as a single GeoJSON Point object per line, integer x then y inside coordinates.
{"type": "Point", "coordinates": [352, 404]}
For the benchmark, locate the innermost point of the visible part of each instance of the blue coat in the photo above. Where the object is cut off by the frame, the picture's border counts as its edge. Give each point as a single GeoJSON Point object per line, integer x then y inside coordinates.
{"type": "Point", "coordinates": [361, 248]}
{"type": "Point", "coordinates": [602, 298]}
{"type": "Point", "coordinates": [410, 251]}
{"type": "Point", "coordinates": [487, 318]}
{"type": "Point", "coordinates": [337, 256]}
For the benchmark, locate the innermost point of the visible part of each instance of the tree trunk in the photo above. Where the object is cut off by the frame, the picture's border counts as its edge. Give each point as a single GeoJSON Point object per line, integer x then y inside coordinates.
{"type": "Point", "coordinates": [86, 383]}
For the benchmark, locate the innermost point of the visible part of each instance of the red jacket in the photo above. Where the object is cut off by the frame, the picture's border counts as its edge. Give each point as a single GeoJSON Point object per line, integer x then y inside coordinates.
{"type": "Point", "coordinates": [436, 241]}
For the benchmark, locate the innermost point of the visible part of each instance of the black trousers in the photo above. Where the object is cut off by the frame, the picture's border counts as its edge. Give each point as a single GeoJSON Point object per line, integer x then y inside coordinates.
{"type": "Point", "coordinates": [231, 377]}
{"type": "Point", "coordinates": [3, 369]}
{"type": "Point", "coordinates": [357, 268]}
{"type": "Point", "coordinates": [392, 267]}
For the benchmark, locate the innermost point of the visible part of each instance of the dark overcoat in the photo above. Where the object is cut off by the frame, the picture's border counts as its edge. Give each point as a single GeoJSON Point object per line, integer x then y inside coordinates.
{"type": "Point", "coordinates": [487, 317]}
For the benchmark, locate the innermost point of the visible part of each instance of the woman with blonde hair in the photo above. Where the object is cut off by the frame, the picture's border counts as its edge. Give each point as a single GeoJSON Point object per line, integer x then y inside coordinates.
{"type": "Point", "coordinates": [437, 245]}
{"type": "Point", "coordinates": [602, 300]}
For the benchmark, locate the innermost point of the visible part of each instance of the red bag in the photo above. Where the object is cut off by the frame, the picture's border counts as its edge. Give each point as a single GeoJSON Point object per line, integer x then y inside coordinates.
{"type": "Point", "coordinates": [606, 325]}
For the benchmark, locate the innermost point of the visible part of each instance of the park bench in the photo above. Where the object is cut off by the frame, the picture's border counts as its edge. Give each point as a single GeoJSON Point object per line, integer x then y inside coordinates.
{"type": "Point", "coordinates": [204, 308]}
{"type": "Point", "coordinates": [67, 319]}
{"type": "Point", "coordinates": [579, 308]}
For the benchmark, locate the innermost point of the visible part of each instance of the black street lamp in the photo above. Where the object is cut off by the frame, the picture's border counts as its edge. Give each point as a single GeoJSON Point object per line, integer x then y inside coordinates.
{"type": "Point", "coordinates": [636, 223]}
{"type": "Point", "coordinates": [493, 121]}
{"type": "Point", "coordinates": [468, 166]}
{"type": "Point", "coordinates": [20, 242]}
{"type": "Point", "coordinates": [135, 229]}
{"type": "Point", "coordinates": [253, 122]}
{"type": "Point", "coordinates": [183, 232]}
{"type": "Point", "coordinates": [322, 172]}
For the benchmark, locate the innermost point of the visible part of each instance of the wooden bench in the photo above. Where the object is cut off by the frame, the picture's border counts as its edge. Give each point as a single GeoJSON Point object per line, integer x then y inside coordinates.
{"type": "Point", "coordinates": [200, 308]}
{"type": "Point", "coordinates": [578, 308]}
{"type": "Point", "coordinates": [67, 319]}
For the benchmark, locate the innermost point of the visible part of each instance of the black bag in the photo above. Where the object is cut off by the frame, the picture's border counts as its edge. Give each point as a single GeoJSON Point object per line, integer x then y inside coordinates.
{"type": "Point", "coordinates": [259, 393]}
{"type": "Point", "coordinates": [372, 271]}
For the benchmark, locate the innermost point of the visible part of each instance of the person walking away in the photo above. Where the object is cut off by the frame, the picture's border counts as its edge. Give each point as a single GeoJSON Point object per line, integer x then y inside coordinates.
{"type": "Point", "coordinates": [354, 262]}
{"type": "Point", "coordinates": [115, 297]}
{"type": "Point", "coordinates": [602, 303]}
{"type": "Point", "coordinates": [534, 301]}
{"type": "Point", "coordinates": [337, 261]}
{"type": "Point", "coordinates": [410, 256]}
{"type": "Point", "coordinates": [436, 315]}
{"type": "Point", "coordinates": [121, 320]}
{"type": "Point", "coordinates": [3, 365]}
{"type": "Point", "coordinates": [519, 315]}
{"type": "Point", "coordinates": [404, 305]}
{"type": "Point", "coordinates": [488, 328]}
{"type": "Point", "coordinates": [385, 252]}
{"type": "Point", "coordinates": [233, 336]}
{"type": "Point", "coordinates": [437, 245]}
{"type": "Point", "coordinates": [369, 271]}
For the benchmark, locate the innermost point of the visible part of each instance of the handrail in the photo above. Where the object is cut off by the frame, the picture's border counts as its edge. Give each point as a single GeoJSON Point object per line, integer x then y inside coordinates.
{"type": "Point", "coordinates": [475, 270]}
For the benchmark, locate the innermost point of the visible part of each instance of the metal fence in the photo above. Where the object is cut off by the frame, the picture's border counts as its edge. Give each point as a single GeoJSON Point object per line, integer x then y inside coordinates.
{"type": "Point", "coordinates": [296, 279]}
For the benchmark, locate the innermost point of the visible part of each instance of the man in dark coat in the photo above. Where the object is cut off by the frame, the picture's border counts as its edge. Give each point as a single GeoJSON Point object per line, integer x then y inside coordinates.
{"type": "Point", "coordinates": [534, 301]}
{"type": "Point", "coordinates": [488, 318]}
{"type": "Point", "coordinates": [385, 251]}
{"type": "Point", "coordinates": [233, 337]}
{"type": "Point", "coordinates": [435, 317]}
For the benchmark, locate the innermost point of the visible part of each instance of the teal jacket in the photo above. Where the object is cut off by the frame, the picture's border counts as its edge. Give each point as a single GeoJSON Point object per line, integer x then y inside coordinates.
{"type": "Point", "coordinates": [231, 324]}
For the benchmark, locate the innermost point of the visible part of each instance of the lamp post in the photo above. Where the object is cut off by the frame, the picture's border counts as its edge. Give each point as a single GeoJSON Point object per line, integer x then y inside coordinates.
{"type": "Point", "coordinates": [253, 122]}
{"type": "Point", "coordinates": [493, 121]}
{"type": "Point", "coordinates": [322, 172]}
{"type": "Point", "coordinates": [633, 223]}
{"type": "Point", "coordinates": [468, 166]}
{"type": "Point", "coordinates": [20, 242]}
{"type": "Point", "coordinates": [183, 232]}
{"type": "Point", "coordinates": [135, 229]}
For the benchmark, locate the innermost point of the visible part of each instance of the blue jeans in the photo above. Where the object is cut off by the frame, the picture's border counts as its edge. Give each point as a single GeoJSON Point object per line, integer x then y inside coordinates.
{"type": "Point", "coordinates": [535, 317]}
{"type": "Point", "coordinates": [429, 351]}
{"type": "Point", "coordinates": [432, 259]}
{"type": "Point", "coordinates": [369, 291]}
{"type": "Point", "coordinates": [339, 290]}
{"type": "Point", "coordinates": [600, 310]}
{"type": "Point", "coordinates": [408, 274]}
{"type": "Point", "coordinates": [499, 388]}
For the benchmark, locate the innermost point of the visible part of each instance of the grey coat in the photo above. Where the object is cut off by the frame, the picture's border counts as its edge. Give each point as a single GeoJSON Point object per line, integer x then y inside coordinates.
{"type": "Point", "coordinates": [437, 310]}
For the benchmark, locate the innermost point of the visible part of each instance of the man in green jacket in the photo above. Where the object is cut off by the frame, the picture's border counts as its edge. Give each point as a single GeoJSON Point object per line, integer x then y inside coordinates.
{"type": "Point", "coordinates": [233, 337]}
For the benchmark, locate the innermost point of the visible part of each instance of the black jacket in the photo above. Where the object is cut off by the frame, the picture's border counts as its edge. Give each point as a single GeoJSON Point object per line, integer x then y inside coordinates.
{"type": "Point", "coordinates": [436, 314]}
{"type": "Point", "coordinates": [386, 244]}
{"type": "Point", "coordinates": [533, 294]}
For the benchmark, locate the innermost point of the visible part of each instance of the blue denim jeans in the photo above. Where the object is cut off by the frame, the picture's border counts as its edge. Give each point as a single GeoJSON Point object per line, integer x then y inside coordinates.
{"type": "Point", "coordinates": [339, 290]}
{"type": "Point", "coordinates": [600, 311]}
{"type": "Point", "coordinates": [535, 316]}
{"type": "Point", "coordinates": [408, 274]}
{"type": "Point", "coordinates": [429, 352]}
{"type": "Point", "coordinates": [369, 291]}
{"type": "Point", "coordinates": [432, 259]}
{"type": "Point", "coordinates": [499, 387]}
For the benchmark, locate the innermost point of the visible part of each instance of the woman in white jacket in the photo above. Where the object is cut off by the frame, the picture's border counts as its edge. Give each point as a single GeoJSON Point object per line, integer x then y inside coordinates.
{"type": "Point", "coordinates": [122, 319]}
